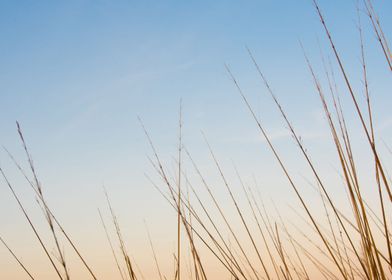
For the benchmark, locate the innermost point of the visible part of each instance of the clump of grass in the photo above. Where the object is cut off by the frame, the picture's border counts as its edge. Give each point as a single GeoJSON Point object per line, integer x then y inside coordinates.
{"type": "Point", "coordinates": [354, 245]}
{"type": "Point", "coordinates": [50, 218]}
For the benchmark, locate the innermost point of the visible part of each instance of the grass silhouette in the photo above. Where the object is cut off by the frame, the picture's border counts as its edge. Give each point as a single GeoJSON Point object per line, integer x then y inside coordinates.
{"type": "Point", "coordinates": [354, 245]}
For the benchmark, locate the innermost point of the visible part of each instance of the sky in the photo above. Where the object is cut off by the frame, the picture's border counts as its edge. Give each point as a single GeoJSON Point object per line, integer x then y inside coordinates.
{"type": "Point", "coordinates": [77, 75]}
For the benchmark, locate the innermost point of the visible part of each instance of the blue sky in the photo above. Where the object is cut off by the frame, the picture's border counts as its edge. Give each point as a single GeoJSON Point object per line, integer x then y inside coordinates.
{"type": "Point", "coordinates": [66, 63]}
{"type": "Point", "coordinates": [76, 74]}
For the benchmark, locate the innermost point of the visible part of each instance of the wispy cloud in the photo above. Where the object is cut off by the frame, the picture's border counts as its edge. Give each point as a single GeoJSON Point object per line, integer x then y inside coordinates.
{"type": "Point", "coordinates": [384, 125]}
{"type": "Point", "coordinates": [281, 134]}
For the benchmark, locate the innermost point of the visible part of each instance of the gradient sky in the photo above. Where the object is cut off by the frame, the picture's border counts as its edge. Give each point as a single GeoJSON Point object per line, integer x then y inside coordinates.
{"type": "Point", "coordinates": [76, 74]}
